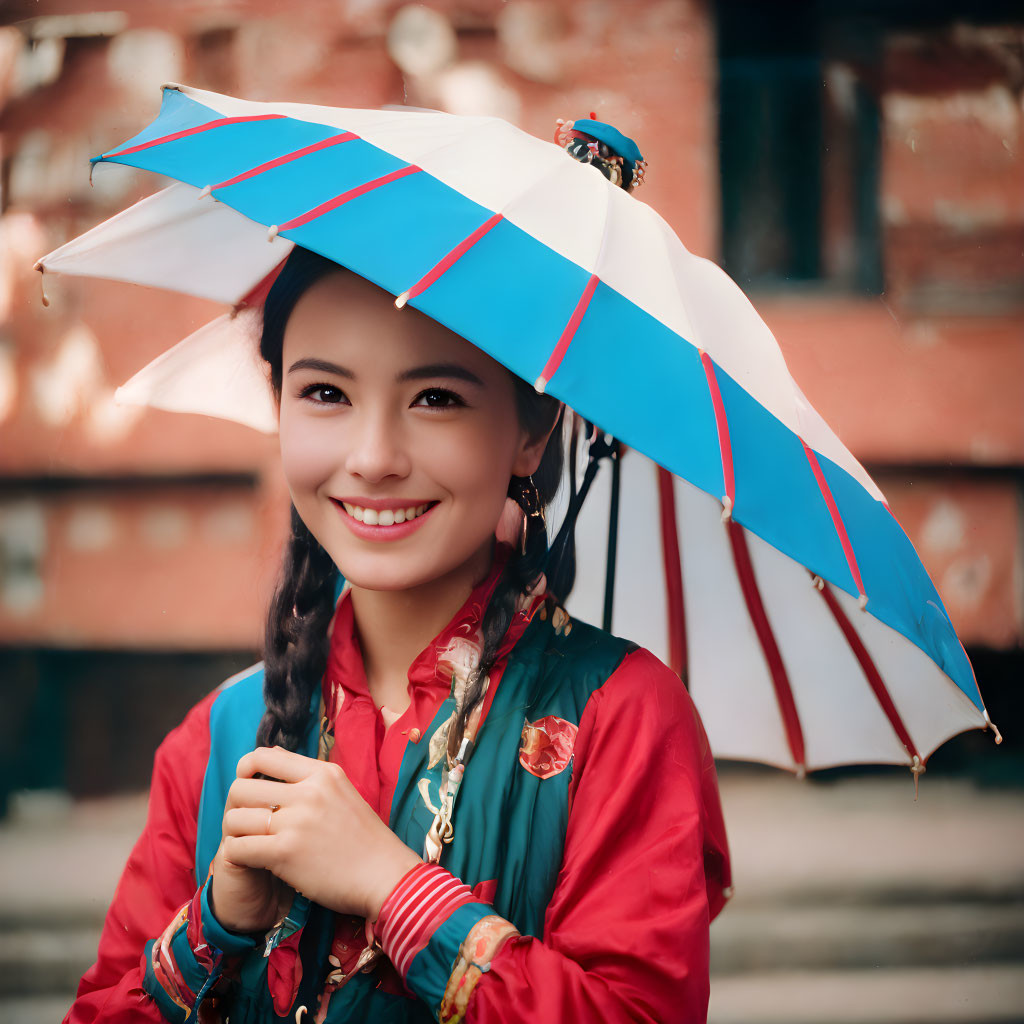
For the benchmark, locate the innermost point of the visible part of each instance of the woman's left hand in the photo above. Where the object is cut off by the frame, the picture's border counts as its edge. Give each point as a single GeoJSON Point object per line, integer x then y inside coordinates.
{"type": "Point", "coordinates": [324, 840]}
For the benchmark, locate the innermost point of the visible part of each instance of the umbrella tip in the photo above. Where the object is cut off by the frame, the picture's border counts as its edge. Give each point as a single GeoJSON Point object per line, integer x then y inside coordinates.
{"type": "Point", "coordinates": [726, 508]}
{"type": "Point", "coordinates": [540, 384]}
{"type": "Point", "coordinates": [272, 232]}
{"type": "Point", "coordinates": [42, 284]}
{"type": "Point", "coordinates": [207, 189]}
{"type": "Point", "coordinates": [917, 767]}
{"type": "Point", "coordinates": [817, 582]}
{"type": "Point", "coordinates": [402, 299]}
{"type": "Point", "coordinates": [862, 601]}
{"type": "Point", "coordinates": [989, 724]}
{"type": "Point", "coordinates": [801, 771]}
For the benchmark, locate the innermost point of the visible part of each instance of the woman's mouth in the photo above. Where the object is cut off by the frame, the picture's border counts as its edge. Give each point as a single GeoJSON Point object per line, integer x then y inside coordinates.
{"type": "Point", "coordinates": [384, 523]}
{"type": "Point", "coordinates": [386, 516]}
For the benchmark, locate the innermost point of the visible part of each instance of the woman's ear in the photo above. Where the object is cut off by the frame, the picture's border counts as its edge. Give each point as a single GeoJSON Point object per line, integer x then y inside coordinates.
{"type": "Point", "coordinates": [531, 449]}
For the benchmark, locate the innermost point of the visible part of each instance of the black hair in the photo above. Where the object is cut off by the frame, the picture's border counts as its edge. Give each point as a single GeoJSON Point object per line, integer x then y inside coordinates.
{"type": "Point", "coordinates": [296, 644]}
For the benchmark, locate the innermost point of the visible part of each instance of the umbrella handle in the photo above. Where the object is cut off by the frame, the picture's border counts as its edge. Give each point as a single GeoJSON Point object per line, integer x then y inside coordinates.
{"type": "Point", "coordinates": [613, 538]}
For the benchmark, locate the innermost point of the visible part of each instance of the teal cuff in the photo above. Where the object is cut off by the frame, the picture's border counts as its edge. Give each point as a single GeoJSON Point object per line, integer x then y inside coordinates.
{"type": "Point", "coordinates": [432, 966]}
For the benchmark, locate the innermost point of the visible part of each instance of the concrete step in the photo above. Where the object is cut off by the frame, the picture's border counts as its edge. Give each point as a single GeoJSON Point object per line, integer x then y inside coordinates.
{"type": "Point", "coordinates": [39, 961]}
{"type": "Point", "coordinates": [49, 1009]}
{"type": "Point", "coordinates": [991, 994]}
{"type": "Point", "coordinates": [766, 937]}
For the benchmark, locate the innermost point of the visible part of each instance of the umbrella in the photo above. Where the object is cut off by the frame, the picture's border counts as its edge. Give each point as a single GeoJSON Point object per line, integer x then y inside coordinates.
{"type": "Point", "coordinates": [810, 634]}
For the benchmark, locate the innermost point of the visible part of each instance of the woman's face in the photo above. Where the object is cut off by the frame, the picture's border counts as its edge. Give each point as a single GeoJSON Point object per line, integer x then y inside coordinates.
{"type": "Point", "coordinates": [398, 438]}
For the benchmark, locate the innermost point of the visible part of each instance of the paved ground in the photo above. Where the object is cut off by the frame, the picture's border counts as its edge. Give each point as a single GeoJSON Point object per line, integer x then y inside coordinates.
{"type": "Point", "coordinates": [854, 903]}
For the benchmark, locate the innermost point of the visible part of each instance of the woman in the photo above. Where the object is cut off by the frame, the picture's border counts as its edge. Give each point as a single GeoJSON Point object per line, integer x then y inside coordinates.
{"type": "Point", "coordinates": [330, 873]}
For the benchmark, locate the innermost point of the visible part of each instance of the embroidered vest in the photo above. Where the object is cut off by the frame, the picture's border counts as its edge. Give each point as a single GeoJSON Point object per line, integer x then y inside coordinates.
{"type": "Point", "coordinates": [510, 819]}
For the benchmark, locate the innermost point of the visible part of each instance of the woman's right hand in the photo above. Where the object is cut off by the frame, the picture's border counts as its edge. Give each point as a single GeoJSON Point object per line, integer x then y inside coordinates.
{"type": "Point", "coordinates": [245, 899]}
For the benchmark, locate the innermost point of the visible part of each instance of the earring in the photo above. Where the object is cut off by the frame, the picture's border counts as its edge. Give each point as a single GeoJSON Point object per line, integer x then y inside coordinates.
{"type": "Point", "coordinates": [533, 513]}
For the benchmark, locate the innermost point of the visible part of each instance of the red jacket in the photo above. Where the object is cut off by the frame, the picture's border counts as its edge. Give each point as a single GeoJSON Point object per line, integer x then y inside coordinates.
{"type": "Point", "coordinates": [644, 819]}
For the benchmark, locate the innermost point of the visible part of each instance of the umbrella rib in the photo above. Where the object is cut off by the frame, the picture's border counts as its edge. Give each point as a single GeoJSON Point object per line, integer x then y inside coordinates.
{"type": "Point", "coordinates": [340, 200]}
{"type": "Point", "coordinates": [219, 122]}
{"type": "Point", "coordinates": [871, 673]}
{"type": "Point", "coordinates": [837, 522]}
{"type": "Point", "coordinates": [558, 353]}
{"type": "Point", "coordinates": [286, 158]}
{"type": "Point", "coordinates": [724, 444]}
{"type": "Point", "coordinates": [769, 646]}
{"type": "Point", "coordinates": [673, 573]}
{"type": "Point", "coordinates": [445, 263]}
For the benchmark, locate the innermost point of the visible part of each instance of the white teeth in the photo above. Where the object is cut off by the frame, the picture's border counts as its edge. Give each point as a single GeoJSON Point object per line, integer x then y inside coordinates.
{"type": "Point", "coordinates": [386, 516]}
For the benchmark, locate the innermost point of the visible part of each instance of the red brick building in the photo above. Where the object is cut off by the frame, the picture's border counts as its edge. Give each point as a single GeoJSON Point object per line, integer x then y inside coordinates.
{"type": "Point", "coordinates": [857, 167]}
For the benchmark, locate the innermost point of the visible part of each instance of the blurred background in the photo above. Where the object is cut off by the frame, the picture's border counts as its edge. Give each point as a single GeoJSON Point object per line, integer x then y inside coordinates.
{"type": "Point", "coordinates": [856, 166]}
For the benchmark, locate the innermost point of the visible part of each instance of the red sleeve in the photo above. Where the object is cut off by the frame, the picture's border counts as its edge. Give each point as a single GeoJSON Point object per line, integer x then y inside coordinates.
{"type": "Point", "coordinates": [157, 880]}
{"type": "Point", "coordinates": [644, 869]}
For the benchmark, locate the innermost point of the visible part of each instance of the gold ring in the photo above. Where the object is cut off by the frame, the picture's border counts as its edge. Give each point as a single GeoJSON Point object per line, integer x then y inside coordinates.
{"type": "Point", "coordinates": [270, 815]}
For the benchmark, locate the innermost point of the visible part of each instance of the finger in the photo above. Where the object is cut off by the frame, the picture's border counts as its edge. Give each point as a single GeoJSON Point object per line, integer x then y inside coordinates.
{"type": "Point", "coordinates": [277, 763]}
{"type": "Point", "coordinates": [257, 793]}
{"type": "Point", "coordinates": [249, 821]}
{"type": "Point", "coordinates": [250, 851]}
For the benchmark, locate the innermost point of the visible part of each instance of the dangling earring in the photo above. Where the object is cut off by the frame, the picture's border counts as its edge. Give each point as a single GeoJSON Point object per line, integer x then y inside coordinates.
{"type": "Point", "coordinates": [533, 513]}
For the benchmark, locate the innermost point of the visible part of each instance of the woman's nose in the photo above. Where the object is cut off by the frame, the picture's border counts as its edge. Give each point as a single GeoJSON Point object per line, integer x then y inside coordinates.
{"type": "Point", "coordinates": [377, 448]}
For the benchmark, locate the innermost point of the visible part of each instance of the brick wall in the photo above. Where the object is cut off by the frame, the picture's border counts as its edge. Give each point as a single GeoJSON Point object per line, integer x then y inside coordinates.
{"type": "Point", "coordinates": [922, 382]}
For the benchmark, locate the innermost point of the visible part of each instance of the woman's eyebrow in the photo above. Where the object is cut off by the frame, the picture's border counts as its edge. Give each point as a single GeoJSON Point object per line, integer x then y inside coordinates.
{"type": "Point", "coordinates": [439, 370]}
{"type": "Point", "coordinates": [321, 366]}
{"type": "Point", "coordinates": [431, 370]}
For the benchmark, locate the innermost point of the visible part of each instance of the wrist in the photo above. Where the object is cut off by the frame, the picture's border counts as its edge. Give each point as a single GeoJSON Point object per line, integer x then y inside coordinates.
{"type": "Point", "coordinates": [398, 868]}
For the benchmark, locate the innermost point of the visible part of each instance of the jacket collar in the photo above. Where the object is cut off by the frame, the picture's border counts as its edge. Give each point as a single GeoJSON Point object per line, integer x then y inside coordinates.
{"type": "Point", "coordinates": [454, 652]}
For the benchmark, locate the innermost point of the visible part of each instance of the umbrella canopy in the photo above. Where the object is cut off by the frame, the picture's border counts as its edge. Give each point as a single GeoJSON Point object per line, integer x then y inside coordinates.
{"type": "Point", "coordinates": [811, 634]}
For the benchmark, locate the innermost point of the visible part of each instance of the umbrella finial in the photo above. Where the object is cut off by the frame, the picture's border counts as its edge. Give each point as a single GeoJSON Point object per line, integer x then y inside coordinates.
{"type": "Point", "coordinates": [602, 145]}
{"type": "Point", "coordinates": [726, 508]}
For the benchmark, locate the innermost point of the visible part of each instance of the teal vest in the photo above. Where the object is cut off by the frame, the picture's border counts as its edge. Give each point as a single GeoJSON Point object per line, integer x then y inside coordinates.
{"type": "Point", "coordinates": [510, 825]}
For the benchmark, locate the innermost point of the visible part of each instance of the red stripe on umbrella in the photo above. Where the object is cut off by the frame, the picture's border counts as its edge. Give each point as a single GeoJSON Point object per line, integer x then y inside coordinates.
{"type": "Point", "coordinates": [345, 197]}
{"type": "Point", "coordinates": [280, 161]}
{"type": "Point", "coordinates": [724, 444]}
{"type": "Point", "coordinates": [874, 678]}
{"type": "Point", "coordinates": [555, 359]}
{"type": "Point", "coordinates": [444, 264]}
{"type": "Point", "coordinates": [766, 638]}
{"type": "Point", "coordinates": [220, 122]}
{"type": "Point", "coordinates": [837, 521]}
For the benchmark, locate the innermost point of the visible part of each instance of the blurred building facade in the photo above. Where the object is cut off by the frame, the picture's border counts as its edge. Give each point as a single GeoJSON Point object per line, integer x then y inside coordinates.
{"type": "Point", "coordinates": [857, 167]}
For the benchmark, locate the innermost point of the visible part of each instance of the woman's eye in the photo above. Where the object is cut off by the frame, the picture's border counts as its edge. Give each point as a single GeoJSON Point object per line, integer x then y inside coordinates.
{"type": "Point", "coordinates": [323, 394]}
{"type": "Point", "coordinates": [438, 398]}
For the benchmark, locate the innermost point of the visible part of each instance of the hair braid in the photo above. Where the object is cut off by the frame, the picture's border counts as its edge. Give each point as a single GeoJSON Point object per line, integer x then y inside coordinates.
{"type": "Point", "coordinates": [295, 648]}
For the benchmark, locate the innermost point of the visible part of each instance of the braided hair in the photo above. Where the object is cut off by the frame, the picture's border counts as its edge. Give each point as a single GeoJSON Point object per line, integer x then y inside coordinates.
{"type": "Point", "coordinates": [296, 642]}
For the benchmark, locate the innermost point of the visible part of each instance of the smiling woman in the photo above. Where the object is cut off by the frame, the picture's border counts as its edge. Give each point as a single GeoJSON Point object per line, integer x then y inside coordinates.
{"type": "Point", "coordinates": [439, 796]}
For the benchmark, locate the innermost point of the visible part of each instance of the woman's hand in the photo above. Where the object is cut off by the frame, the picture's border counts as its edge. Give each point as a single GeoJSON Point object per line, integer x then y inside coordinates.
{"type": "Point", "coordinates": [324, 839]}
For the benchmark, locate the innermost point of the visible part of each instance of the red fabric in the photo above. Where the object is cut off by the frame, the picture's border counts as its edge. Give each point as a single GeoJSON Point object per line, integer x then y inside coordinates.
{"type": "Point", "coordinates": [157, 880]}
{"type": "Point", "coordinates": [645, 867]}
{"type": "Point", "coordinates": [645, 864]}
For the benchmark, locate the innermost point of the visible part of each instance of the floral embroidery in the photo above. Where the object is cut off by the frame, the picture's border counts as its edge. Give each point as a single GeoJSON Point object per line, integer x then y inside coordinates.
{"type": "Point", "coordinates": [546, 746]}
{"type": "Point", "coordinates": [477, 951]}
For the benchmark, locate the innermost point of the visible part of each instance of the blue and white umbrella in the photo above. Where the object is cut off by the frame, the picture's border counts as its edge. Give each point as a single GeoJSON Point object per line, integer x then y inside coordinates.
{"type": "Point", "coordinates": [755, 553]}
